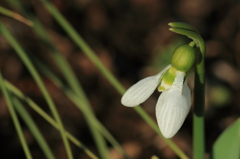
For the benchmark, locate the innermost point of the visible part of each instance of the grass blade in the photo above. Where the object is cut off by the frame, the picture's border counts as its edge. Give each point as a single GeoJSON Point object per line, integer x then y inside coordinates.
{"type": "Point", "coordinates": [33, 128]}
{"type": "Point", "coordinates": [100, 142]}
{"type": "Point", "coordinates": [15, 119]}
{"type": "Point", "coordinates": [75, 86]}
{"type": "Point", "coordinates": [39, 82]}
{"type": "Point", "coordinates": [51, 121]}
{"type": "Point", "coordinates": [82, 106]}
{"type": "Point", "coordinates": [16, 16]}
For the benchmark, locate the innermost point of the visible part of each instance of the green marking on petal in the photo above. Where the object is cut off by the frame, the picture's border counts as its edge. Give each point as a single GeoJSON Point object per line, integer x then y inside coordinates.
{"type": "Point", "coordinates": [161, 88]}
{"type": "Point", "coordinates": [167, 79]}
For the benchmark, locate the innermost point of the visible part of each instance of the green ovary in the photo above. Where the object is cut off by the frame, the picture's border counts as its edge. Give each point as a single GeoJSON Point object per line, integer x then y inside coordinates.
{"type": "Point", "coordinates": [183, 58]}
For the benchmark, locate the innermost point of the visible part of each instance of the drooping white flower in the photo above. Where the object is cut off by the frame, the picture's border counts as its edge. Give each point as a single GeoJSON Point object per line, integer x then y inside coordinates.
{"type": "Point", "coordinates": [173, 106]}
{"type": "Point", "coordinates": [174, 103]}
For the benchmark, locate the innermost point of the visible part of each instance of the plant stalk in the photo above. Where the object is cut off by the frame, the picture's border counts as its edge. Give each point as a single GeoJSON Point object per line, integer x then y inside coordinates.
{"type": "Point", "coordinates": [198, 111]}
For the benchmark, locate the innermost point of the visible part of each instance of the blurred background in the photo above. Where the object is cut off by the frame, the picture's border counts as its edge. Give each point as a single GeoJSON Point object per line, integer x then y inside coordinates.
{"type": "Point", "coordinates": [132, 39]}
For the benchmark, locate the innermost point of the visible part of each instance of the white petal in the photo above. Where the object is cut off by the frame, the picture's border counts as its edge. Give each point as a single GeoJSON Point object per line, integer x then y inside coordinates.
{"type": "Point", "coordinates": [187, 93]}
{"type": "Point", "coordinates": [141, 91]}
{"type": "Point", "coordinates": [160, 74]}
{"type": "Point", "coordinates": [178, 82]}
{"type": "Point", "coordinates": [172, 108]}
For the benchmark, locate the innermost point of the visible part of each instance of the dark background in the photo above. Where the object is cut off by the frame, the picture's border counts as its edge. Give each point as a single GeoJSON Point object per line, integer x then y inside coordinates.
{"type": "Point", "coordinates": [132, 39]}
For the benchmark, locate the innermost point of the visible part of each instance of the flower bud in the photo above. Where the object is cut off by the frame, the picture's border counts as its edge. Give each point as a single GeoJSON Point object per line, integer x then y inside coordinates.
{"type": "Point", "coordinates": [183, 57]}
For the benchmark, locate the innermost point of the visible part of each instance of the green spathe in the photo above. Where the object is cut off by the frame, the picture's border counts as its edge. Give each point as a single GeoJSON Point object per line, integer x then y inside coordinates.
{"type": "Point", "coordinates": [183, 58]}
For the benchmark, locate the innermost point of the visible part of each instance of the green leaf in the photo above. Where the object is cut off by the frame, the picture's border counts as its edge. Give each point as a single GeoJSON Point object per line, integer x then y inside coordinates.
{"type": "Point", "coordinates": [227, 146]}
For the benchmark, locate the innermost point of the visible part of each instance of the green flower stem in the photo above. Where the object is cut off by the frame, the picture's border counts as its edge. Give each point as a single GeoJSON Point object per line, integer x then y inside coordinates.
{"type": "Point", "coordinates": [39, 82]}
{"type": "Point", "coordinates": [192, 44]}
{"type": "Point", "coordinates": [88, 51]}
{"type": "Point", "coordinates": [33, 128]}
{"type": "Point", "coordinates": [42, 113]}
{"type": "Point", "coordinates": [16, 16]}
{"type": "Point", "coordinates": [199, 83]}
{"type": "Point", "coordinates": [15, 119]}
{"type": "Point", "coordinates": [198, 117]}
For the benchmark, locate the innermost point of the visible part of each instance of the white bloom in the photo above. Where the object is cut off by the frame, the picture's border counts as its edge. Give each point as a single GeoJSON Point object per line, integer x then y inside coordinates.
{"type": "Point", "coordinates": [173, 105]}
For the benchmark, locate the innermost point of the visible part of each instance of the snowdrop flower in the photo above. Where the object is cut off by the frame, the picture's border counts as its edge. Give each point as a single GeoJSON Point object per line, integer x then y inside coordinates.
{"type": "Point", "coordinates": [174, 103]}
